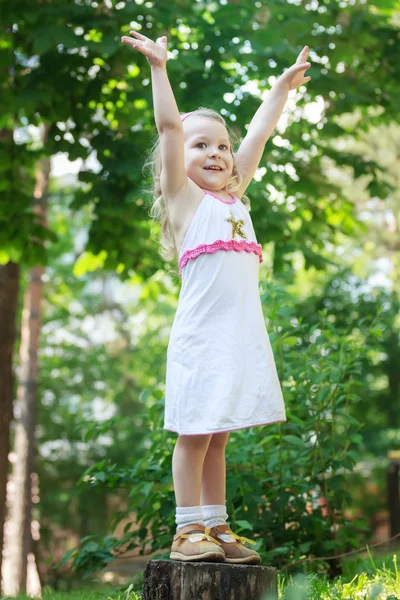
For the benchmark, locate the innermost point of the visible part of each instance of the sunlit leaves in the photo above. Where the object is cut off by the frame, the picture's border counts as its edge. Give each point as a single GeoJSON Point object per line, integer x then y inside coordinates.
{"type": "Point", "coordinates": [68, 40]}
{"type": "Point", "coordinates": [88, 262]}
{"type": "Point", "coordinates": [94, 36]}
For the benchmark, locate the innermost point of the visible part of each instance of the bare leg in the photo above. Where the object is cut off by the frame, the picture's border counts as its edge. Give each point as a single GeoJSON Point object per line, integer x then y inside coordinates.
{"type": "Point", "coordinates": [187, 467]}
{"type": "Point", "coordinates": [213, 488]}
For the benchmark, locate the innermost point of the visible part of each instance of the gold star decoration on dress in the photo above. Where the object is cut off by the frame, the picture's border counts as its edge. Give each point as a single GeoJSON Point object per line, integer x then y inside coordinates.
{"type": "Point", "coordinates": [237, 226]}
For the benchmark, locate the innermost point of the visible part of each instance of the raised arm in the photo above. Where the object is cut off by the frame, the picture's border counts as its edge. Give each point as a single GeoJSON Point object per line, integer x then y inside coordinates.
{"type": "Point", "coordinates": [166, 113]}
{"type": "Point", "coordinates": [266, 118]}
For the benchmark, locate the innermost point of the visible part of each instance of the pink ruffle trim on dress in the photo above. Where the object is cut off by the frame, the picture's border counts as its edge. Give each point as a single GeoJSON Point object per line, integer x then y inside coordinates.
{"type": "Point", "coordinates": [236, 245]}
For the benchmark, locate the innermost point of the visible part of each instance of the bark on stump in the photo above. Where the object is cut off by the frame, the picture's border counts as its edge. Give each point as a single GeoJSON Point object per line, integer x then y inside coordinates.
{"type": "Point", "coordinates": [178, 580]}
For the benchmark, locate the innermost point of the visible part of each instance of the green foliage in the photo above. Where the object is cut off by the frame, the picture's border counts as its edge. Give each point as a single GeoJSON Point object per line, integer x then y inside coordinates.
{"type": "Point", "coordinates": [79, 372]}
{"type": "Point", "coordinates": [92, 593]}
{"type": "Point", "coordinates": [381, 584]}
{"type": "Point", "coordinates": [64, 67]}
{"type": "Point", "coordinates": [286, 483]}
{"type": "Point", "coordinates": [89, 390]}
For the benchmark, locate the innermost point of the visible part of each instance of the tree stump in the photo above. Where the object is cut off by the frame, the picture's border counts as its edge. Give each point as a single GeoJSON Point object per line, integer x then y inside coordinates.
{"type": "Point", "coordinates": [179, 580]}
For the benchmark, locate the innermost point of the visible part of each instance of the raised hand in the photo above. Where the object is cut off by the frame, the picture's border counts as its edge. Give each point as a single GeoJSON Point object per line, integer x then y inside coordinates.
{"type": "Point", "coordinates": [155, 52]}
{"type": "Point", "coordinates": [294, 76]}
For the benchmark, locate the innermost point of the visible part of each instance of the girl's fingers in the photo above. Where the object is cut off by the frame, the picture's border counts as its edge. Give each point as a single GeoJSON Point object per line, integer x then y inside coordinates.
{"type": "Point", "coordinates": [301, 66]}
{"type": "Point", "coordinates": [130, 42]}
{"type": "Point", "coordinates": [137, 45]}
{"type": "Point", "coordinates": [144, 38]}
{"type": "Point", "coordinates": [303, 54]}
{"type": "Point", "coordinates": [139, 35]}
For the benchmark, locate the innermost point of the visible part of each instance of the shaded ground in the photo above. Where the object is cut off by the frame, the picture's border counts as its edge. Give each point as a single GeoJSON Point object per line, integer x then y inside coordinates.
{"type": "Point", "coordinates": [122, 570]}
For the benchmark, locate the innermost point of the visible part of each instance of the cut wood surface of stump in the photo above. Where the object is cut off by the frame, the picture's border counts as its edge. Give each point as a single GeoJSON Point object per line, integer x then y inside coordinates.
{"type": "Point", "coordinates": [180, 580]}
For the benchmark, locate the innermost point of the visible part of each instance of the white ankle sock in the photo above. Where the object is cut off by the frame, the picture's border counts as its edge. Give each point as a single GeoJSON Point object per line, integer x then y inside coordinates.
{"type": "Point", "coordinates": [215, 514]}
{"type": "Point", "coordinates": [188, 515]}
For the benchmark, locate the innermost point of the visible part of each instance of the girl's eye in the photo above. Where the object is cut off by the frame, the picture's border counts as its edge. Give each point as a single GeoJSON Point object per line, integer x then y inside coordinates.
{"type": "Point", "coordinates": [223, 145]}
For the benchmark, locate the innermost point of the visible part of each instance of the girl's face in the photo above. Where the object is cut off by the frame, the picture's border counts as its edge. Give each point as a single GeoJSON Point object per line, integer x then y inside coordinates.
{"type": "Point", "coordinates": [207, 145]}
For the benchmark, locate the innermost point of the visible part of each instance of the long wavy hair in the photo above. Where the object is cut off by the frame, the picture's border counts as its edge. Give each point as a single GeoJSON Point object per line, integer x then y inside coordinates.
{"type": "Point", "coordinates": [158, 210]}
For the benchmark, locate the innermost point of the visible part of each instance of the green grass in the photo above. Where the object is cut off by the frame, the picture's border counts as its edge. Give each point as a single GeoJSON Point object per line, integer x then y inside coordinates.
{"type": "Point", "coordinates": [382, 585]}
{"type": "Point", "coordinates": [106, 594]}
{"type": "Point", "coordinates": [364, 579]}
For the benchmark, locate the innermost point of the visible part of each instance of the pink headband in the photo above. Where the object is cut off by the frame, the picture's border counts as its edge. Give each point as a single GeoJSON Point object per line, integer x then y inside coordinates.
{"type": "Point", "coordinates": [183, 117]}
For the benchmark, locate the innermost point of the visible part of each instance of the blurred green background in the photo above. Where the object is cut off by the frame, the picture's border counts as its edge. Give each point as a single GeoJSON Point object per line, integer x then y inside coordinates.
{"type": "Point", "coordinates": [76, 123]}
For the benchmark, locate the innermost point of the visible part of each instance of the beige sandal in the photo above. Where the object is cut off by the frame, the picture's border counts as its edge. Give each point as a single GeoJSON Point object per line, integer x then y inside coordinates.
{"type": "Point", "coordinates": [194, 543]}
{"type": "Point", "coordinates": [235, 551]}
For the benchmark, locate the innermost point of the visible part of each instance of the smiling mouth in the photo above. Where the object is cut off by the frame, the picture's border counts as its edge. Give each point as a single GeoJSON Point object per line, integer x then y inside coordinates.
{"type": "Point", "coordinates": [212, 169]}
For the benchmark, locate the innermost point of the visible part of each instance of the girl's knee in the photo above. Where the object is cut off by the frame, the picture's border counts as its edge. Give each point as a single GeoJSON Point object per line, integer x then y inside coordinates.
{"type": "Point", "coordinates": [219, 440]}
{"type": "Point", "coordinates": [195, 441]}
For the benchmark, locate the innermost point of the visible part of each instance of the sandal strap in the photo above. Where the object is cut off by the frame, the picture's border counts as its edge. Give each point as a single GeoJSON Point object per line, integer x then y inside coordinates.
{"type": "Point", "coordinates": [239, 538]}
{"type": "Point", "coordinates": [205, 535]}
{"type": "Point", "coordinates": [193, 527]}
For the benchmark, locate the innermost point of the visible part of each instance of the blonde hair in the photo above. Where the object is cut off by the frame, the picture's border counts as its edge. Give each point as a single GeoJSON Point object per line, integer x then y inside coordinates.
{"type": "Point", "coordinates": [158, 210]}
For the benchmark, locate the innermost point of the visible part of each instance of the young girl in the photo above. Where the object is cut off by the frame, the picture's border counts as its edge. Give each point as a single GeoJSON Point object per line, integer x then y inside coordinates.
{"type": "Point", "coordinates": [221, 374]}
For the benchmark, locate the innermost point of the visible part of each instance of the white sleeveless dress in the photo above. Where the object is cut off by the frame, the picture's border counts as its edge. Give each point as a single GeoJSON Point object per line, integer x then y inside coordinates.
{"type": "Point", "coordinates": [221, 373]}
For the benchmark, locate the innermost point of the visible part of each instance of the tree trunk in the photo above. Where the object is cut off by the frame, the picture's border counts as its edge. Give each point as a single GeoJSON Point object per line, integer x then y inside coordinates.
{"type": "Point", "coordinates": [20, 543]}
{"type": "Point", "coordinates": [9, 285]}
{"type": "Point", "coordinates": [178, 580]}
